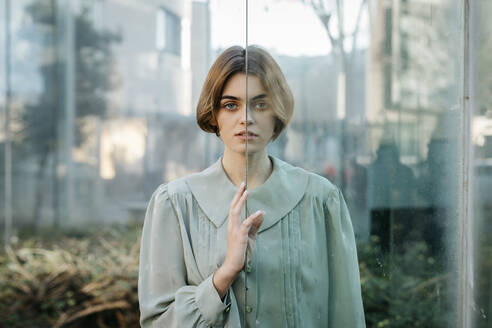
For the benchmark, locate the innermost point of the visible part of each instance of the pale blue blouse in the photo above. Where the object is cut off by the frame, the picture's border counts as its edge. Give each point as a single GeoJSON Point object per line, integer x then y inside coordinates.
{"type": "Point", "coordinates": [303, 271]}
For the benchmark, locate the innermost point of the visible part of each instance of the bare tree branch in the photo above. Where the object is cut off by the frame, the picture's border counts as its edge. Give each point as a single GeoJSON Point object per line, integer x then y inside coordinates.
{"type": "Point", "coordinates": [355, 34]}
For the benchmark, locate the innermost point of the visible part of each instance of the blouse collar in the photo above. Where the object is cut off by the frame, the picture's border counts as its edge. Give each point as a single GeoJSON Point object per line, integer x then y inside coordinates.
{"type": "Point", "coordinates": [280, 193]}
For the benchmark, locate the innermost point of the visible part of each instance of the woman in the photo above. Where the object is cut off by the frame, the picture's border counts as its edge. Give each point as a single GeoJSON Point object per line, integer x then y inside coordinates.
{"type": "Point", "coordinates": [301, 269]}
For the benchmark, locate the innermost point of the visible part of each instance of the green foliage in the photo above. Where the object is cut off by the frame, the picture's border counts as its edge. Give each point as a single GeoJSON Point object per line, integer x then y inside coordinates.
{"type": "Point", "coordinates": [483, 283]}
{"type": "Point", "coordinates": [407, 289]}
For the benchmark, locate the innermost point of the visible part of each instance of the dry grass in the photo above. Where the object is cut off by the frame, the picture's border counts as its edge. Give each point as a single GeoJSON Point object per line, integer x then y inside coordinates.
{"type": "Point", "coordinates": [89, 282]}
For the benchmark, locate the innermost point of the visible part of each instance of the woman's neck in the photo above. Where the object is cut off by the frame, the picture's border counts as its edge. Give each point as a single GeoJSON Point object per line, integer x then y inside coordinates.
{"type": "Point", "coordinates": [259, 167]}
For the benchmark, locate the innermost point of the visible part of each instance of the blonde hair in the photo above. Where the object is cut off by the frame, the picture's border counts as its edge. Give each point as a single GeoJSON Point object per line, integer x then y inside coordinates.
{"type": "Point", "coordinates": [260, 64]}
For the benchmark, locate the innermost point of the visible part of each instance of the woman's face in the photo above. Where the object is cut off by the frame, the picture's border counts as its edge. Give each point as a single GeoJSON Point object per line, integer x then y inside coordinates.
{"type": "Point", "coordinates": [231, 117]}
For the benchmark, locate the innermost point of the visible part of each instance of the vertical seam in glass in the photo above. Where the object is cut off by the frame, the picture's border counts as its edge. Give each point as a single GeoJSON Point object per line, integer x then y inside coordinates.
{"type": "Point", "coordinates": [69, 104]}
{"type": "Point", "coordinates": [247, 102]}
{"type": "Point", "coordinates": [465, 212]}
{"type": "Point", "coordinates": [8, 149]}
{"type": "Point", "coordinates": [246, 165]}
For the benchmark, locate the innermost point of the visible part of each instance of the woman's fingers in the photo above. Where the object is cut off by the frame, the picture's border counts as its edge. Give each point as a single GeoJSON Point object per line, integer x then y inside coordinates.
{"type": "Point", "coordinates": [237, 195]}
{"type": "Point", "coordinates": [236, 211]}
{"type": "Point", "coordinates": [236, 205]}
{"type": "Point", "coordinates": [253, 221]}
{"type": "Point", "coordinates": [252, 224]}
{"type": "Point", "coordinates": [242, 200]}
{"type": "Point", "coordinates": [256, 225]}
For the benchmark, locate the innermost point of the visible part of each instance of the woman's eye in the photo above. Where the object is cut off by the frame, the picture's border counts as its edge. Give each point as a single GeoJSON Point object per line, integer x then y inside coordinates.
{"type": "Point", "coordinates": [261, 105]}
{"type": "Point", "coordinates": [230, 106]}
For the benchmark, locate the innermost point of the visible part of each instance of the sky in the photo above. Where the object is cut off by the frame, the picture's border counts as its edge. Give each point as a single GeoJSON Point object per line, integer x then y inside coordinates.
{"type": "Point", "coordinates": [288, 27]}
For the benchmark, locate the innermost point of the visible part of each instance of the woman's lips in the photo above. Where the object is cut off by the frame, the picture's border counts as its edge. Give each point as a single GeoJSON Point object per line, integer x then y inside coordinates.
{"type": "Point", "coordinates": [243, 136]}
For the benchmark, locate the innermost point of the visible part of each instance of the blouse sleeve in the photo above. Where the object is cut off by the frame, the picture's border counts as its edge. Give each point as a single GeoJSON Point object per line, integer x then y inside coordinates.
{"type": "Point", "coordinates": [165, 299]}
{"type": "Point", "coordinates": [345, 300]}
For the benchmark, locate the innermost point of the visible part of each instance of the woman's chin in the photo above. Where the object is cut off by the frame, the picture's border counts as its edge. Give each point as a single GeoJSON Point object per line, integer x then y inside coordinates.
{"type": "Point", "coordinates": [242, 148]}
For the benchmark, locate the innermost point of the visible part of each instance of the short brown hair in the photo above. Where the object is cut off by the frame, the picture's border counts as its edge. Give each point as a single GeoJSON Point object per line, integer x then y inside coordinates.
{"type": "Point", "coordinates": [260, 64]}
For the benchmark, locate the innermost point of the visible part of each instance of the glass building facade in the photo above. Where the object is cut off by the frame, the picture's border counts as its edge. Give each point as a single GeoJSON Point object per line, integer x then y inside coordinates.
{"type": "Point", "coordinates": [393, 104]}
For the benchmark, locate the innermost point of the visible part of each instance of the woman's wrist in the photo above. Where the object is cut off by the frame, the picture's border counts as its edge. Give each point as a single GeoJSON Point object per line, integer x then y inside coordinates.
{"type": "Point", "coordinates": [223, 279]}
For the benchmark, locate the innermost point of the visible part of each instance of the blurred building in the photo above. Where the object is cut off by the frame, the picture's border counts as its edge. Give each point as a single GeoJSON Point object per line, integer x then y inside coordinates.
{"type": "Point", "coordinates": [411, 73]}
{"type": "Point", "coordinates": [105, 83]}
{"type": "Point", "coordinates": [201, 51]}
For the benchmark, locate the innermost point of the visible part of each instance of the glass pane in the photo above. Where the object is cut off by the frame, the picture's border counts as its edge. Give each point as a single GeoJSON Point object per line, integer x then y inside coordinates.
{"type": "Point", "coordinates": [378, 113]}
{"type": "Point", "coordinates": [96, 97]}
{"type": "Point", "coordinates": [103, 105]}
{"type": "Point", "coordinates": [480, 64]}
{"type": "Point", "coordinates": [317, 271]}
{"type": "Point", "coordinates": [105, 99]}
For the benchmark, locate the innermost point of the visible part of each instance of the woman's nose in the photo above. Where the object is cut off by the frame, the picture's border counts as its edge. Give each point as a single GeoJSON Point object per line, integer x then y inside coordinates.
{"type": "Point", "coordinates": [247, 117]}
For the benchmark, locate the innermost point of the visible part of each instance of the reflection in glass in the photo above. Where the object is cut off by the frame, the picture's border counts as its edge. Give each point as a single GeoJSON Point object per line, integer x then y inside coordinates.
{"type": "Point", "coordinates": [480, 45]}
{"type": "Point", "coordinates": [377, 106]}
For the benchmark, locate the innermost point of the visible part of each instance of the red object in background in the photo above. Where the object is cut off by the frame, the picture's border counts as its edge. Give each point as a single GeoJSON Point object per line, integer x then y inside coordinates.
{"type": "Point", "coordinates": [329, 171]}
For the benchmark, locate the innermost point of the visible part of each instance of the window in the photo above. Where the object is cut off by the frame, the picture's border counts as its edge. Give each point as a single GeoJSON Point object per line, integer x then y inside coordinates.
{"type": "Point", "coordinates": [168, 32]}
{"type": "Point", "coordinates": [388, 31]}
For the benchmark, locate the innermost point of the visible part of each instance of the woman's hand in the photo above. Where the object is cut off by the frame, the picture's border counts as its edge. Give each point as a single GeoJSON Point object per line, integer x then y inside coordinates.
{"type": "Point", "coordinates": [238, 234]}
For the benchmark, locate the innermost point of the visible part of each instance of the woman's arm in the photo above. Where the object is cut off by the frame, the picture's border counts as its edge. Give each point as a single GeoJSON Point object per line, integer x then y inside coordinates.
{"type": "Point", "coordinates": [222, 280]}
{"type": "Point", "coordinates": [345, 300]}
{"type": "Point", "coordinates": [164, 296]}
